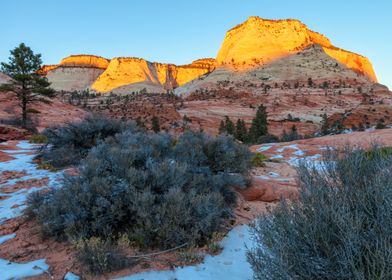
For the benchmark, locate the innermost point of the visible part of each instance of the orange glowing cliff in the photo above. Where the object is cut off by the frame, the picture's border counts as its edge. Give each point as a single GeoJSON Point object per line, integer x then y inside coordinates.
{"type": "Point", "coordinates": [255, 43]}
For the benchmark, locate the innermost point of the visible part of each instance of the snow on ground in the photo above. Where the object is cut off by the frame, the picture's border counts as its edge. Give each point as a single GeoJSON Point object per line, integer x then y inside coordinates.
{"type": "Point", "coordinates": [264, 148]}
{"type": "Point", "coordinates": [13, 203]}
{"type": "Point", "coordinates": [293, 147]}
{"type": "Point", "coordinates": [297, 156]}
{"type": "Point", "coordinates": [71, 276]}
{"type": "Point", "coordinates": [7, 237]}
{"type": "Point", "coordinates": [10, 270]}
{"type": "Point", "coordinates": [231, 264]}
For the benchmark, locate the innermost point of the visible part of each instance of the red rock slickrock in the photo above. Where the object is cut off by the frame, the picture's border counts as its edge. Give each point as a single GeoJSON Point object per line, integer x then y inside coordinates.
{"type": "Point", "coordinates": [8, 175]}
{"type": "Point", "coordinates": [269, 190]}
{"type": "Point", "coordinates": [9, 132]}
{"type": "Point", "coordinates": [56, 113]}
{"type": "Point", "coordinates": [24, 184]}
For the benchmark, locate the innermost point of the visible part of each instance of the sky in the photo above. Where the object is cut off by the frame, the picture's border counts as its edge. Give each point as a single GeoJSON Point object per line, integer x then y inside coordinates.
{"type": "Point", "coordinates": [173, 31]}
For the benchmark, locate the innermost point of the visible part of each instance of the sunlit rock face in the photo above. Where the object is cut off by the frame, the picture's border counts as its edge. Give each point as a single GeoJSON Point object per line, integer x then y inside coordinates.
{"type": "Point", "coordinates": [75, 72]}
{"type": "Point", "coordinates": [85, 61]}
{"type": "Point", "coordinates": [122, 75]}
{"type": "Point", "coordinates": [257, 47]}
{"type": "Point", "coordinates": [46, 68]}
{"type": "Point", "coordinates": [137, 74]}
{"type": "Point", "coordinates": [73, 78]}
{"type": "Point", "coordinates": [353, 61]}
{"type": "Point", "coordinates": [186, 73]}
{"type": "Point", "coordinates": [259, 41]}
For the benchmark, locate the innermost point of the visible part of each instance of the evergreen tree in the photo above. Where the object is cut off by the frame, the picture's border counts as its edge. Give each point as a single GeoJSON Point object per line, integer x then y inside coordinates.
{"type": "Point", "coordinates": [294, 129]}
{"type": "Point", "coordinates": [28, 86]}
{"type": "Point", "coordinates": [222, 127]}
{"type": "Point", "coordinates": [259, 124]}
{"type": "Point", "coordinates": [294, 133]}
{"type": "Point", "coordinates": [155, 126]}
{"type": "Point", "coordinates": [241, 132]}
{"type": "Point", "coordinates": [324, 125]}
{"type": "Point", "coordinates": [310, 82]}
{"type": "Point", "coordinates": [229, 126]}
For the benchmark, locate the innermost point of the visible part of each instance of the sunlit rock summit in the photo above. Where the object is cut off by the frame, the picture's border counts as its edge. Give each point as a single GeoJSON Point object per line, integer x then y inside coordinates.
{"type": "Point", "coordinates": [273, 50]}
{"type": "Point", "coordinates": [260, 41]}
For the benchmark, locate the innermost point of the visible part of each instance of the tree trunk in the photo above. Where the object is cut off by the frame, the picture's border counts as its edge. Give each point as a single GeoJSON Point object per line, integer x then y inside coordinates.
{"type": "Point", "coordinates": [24, 111]}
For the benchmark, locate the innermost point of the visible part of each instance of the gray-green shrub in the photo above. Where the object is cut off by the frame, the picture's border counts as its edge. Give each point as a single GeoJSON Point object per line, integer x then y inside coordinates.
{"type": "Point", "coordinates": [339, 228]}
{"type": "Point", "coordinates": [67, 145]}
{"type": "Point", "coordinates": [159, 191]}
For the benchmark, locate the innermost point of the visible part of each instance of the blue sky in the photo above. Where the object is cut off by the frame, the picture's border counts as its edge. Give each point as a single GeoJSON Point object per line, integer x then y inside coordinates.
{"type": "Point", "coordinates": [181, 31]}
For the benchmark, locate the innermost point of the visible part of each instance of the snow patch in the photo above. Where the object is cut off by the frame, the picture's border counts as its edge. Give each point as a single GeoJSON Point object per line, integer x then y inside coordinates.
{"type": "Point", "coordinates": [71, 276]}
{"type": "Point", "coordinates": [276, 156]}
{"type": "Point", "coordinates": [14, 203]}
{"type": "Point", "coordinates": [273, 174]}
{"type": "Point", "coordinates": [7, 237]}
{"type": "Point", "coordinates": [231, 264]}
{"type": "Point", "coordinates": [264, 148]}
{"type": "Point", "coordinates": [11, 270]}
{"type": "Point", "coordinates": [292, 146]}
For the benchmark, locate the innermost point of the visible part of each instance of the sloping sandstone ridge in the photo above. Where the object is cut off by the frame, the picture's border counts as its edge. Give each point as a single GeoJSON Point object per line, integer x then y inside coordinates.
{"type": "Point", "coordinates": [123, 74]}
{"type": "Point", "coordinates": [258, 48]}
{"type": "Point", "coordinates": [258, 41]}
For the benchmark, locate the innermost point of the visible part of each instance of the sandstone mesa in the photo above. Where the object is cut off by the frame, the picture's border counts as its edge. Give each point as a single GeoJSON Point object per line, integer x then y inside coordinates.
{"type": "Point", "coordinates": [253, 46]}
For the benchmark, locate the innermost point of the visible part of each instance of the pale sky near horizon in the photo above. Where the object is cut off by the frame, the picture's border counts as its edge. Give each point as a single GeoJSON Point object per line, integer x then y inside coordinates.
{"type": "Point", "coordinates": [179, 32]}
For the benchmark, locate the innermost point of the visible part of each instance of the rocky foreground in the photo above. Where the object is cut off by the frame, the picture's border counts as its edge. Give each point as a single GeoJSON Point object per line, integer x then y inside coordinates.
{"type": "Point", "coordinates": [24, 254]}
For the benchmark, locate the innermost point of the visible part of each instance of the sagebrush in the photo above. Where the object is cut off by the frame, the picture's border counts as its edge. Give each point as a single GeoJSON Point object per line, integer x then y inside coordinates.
{"type": "Point", "coordinates": [340, 227]}
{"type": "Point", "coordinates": [158, 191]}
{"type": "Point", "coordinates": [69, 144]}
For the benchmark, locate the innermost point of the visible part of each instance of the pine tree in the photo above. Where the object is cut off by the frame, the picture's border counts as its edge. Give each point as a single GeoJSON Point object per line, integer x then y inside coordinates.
{"type": "Point", "coordinates": [27, 84]}
{"type": "Point", "coordinates": [324, 125]}
{"type": "Point", "coordinates": [155, 126]}
{"type": "Point", "coordinates": [285, 136]}
{"type": "Point", "coordinates": [241, 133]}
{"type": "Point", "coordinates": [229, 126]}
{"type": "Point", "coordinates": [294, 133]}
{"type": "Point", "coordinates": [259, 124]}
{"type": "Point", "coordinates": [294, 129]}
{"type": "Point", "coordinates": [310, 82]}
{"type": "Point", "coordinates": [222, 127]}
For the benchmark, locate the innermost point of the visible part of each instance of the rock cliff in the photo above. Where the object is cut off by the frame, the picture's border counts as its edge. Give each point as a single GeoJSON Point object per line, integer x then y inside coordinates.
{"type": "Point", "coordinates": [260, 41]}
{"type": "Point", "coordinates": [137, 73]}
{"type": "Point", "coordinates": [257, 48]}
{"type": "Point", "coordinates": [75, 72]}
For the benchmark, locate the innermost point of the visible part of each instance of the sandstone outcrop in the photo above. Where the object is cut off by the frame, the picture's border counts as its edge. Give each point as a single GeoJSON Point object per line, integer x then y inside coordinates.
{"type": "Point", "coordinates": [57, 113]}
{"type": "Point", "coordinates": [260, 41]}
{"type": "Point", "coordinates": [73, 78]}
{"type": "Point", "coordinates": [75, 72]}
{"type": "Point", "coordinates": [135, 74]}
{"type": "Point", "coordinates": [85, 61]}
{"type": "Point", "coordinates": [256, 49]}
{"type": "Point", "coordinates": [122, 75]}
{"type": "Point", "coordinates": [9, 132]}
